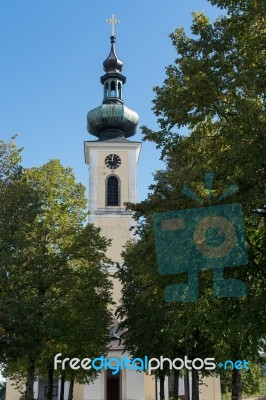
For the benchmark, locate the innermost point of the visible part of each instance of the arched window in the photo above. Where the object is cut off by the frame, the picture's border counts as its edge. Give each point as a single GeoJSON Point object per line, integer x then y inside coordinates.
{"type": "Point", "coordinates": [113, 89]}
{"type": "Point", "coordinates": [112, 195]}
{"type": "Point", "coordinates": [106, 89]}
{"type": "Point", "coordinates": [119, 90]}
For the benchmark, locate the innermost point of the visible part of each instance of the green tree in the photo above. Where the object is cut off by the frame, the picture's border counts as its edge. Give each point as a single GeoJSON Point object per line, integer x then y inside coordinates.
{"type": "Point", "coordinates": [216, 89]}
{"type": "Point", "coordinates": [45, 279]}
{"type": "Point", "coordinates": [152, 326]}
{"type": "Point", "coordinates": [19, 206]}
{"type": "Point", "coordinates": [2, 390]}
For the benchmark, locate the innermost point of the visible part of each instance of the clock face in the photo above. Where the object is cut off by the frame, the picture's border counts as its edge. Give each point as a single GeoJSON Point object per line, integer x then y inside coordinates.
{"type": "Point", "coordinates": [112, 161]}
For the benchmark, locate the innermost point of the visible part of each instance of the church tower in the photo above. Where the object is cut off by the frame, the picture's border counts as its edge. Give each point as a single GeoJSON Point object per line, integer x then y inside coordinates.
{"type": "Point", "coordinates": [112, 160]}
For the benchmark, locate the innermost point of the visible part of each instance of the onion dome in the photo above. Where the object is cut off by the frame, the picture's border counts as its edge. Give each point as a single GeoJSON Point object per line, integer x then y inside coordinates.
{"type": "Point", "coordinates": [112, 119]}
{"type": "Point", "coordinates": [112, 63]}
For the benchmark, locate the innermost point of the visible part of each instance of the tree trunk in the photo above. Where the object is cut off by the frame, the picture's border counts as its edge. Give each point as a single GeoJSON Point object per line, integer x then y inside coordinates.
{"type": "Point", "coordinates": [62, 385]}
{"type": "Point", "coordinates": [50, 373]}
{"type": "Point", "coordinates": [187, 391]}
{"type": "Point", "coordinates": [195, 384]}
{"type": "Point", "coordinates": [161, 379]}
{"type": "Point", "coordinates": [236, 384]}
{"type": "Point", "coordinates": [176, 384]}
{"type": "Point", "coordinates": [29, 395]}
{"type": "Point", "coordinates": [71, 389]}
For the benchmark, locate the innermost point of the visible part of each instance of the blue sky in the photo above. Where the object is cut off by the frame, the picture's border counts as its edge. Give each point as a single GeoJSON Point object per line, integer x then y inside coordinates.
{"type": "Point", "coordinates": [51, 61]}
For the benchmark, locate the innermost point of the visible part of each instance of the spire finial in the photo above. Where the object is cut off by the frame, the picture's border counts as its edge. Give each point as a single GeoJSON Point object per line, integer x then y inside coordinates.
{"type": "Point", "coordinates": [113, 21]}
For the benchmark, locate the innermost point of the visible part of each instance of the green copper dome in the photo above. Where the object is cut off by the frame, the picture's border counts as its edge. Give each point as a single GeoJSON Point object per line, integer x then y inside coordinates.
{"type": "Point", "coordinates": [112, 119]}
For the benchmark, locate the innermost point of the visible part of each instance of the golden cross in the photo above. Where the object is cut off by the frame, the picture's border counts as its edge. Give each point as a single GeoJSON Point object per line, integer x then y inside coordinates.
{"type": "Point", "coordinates": [113, 21]}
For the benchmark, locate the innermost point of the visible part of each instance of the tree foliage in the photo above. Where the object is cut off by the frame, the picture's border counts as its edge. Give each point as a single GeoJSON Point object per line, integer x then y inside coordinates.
{"type": "Point", "coordinates": [54, 287]}
{"type": "Point", "coordinates": [216, 89]}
